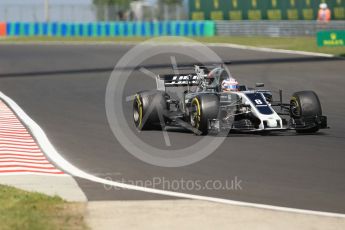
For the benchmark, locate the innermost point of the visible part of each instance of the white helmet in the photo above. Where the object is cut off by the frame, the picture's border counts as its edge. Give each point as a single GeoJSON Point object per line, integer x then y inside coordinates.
{"type": "Point", "coordinates": [323, 6]}
{"type": "Point", "coordinates": [230, 84]}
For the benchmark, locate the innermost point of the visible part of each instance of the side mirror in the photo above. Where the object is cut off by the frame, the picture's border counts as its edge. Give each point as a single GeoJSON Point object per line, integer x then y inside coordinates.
{"type": "Point", "coordinates": [242, 88]}
{"type": "Point", "coordinates": [257, 85]}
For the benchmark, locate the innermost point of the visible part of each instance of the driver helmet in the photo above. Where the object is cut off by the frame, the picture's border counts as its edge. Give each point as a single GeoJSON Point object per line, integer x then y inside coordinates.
{"type": "Point", "coordinates": [229, 84]}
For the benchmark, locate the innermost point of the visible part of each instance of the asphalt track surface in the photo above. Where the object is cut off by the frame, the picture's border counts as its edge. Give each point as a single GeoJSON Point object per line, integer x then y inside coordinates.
{"type": "Point", "coordinates": [62, 87]}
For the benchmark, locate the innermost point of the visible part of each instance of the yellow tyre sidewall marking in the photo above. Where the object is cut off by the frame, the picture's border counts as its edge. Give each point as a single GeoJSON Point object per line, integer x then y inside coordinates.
{"type": "Point", "coordinates": [140, 105]}
{"type": "Point", "coordinates": [196, 101]}
{"type": "Point", "coordinates": [297, 104]}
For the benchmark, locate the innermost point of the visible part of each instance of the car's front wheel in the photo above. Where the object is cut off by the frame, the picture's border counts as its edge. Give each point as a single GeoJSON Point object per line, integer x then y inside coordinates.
{"type": "Point", "coordinates": [305, 106]}
{"type": "Point", "coordinates": [203, 108]}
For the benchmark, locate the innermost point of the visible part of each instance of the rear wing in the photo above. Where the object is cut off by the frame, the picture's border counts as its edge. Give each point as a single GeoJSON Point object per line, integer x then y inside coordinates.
{"type": "Point", "coordinates": [189, 79]}
{"type": "Point", "coordinates": [173, 80]}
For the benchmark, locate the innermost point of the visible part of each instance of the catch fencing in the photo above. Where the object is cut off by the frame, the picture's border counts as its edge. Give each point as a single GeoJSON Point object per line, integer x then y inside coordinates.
{"type": "Point", "coordinates": [89, 12]}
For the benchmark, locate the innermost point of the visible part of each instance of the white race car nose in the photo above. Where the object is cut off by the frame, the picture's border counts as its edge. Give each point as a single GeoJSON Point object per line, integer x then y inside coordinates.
{"type": "Point", "coordinates": [272, 123]}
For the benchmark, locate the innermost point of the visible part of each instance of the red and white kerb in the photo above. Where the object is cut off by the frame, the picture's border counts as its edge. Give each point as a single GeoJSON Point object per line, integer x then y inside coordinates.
{"type": "Point", "coordinates": [19, 152]}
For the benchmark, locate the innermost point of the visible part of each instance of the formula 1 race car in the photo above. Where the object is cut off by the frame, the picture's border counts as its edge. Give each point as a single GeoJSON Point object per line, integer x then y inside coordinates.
{"type": "Point", "coordinates": [204, 108]}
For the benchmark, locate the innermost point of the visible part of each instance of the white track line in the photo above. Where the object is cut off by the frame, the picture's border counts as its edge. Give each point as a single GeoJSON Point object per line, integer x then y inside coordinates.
{"type": "Point", "coordinates": [270, 50]}
{"type": "Point", "coordinates": [229, 45]}
{"type": "Point", "coordinates": [51, 153]}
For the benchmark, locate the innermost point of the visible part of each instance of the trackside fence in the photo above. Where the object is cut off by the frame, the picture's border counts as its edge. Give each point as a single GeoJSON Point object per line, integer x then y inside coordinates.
{"type": "Point", "coordinates": [275, 28]}
{"type": "Point", "coordinates": [108, 29]}
{"type": "Point", "coordinates": [168, 28]}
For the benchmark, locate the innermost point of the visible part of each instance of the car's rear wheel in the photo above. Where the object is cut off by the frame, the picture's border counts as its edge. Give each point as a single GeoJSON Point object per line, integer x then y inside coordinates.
{"type": "Point", "coordinates": [149, 108]}
{"type": "Point", "coordinates": [203, 108]}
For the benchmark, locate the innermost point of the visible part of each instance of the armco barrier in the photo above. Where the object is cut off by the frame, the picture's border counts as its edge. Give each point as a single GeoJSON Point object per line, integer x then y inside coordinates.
{"type": "Point", "coordinates": [275, 28]}
{"type": "Point", "coordinates": [112, 29]}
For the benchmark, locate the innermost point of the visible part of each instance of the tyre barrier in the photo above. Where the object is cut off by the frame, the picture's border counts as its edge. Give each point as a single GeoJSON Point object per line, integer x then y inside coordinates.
{"type": "Point", "coordinates": [108, 29]}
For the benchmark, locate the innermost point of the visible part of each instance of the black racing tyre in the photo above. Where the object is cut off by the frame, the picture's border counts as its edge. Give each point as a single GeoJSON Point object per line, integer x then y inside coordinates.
{"type": "Point", "coordinates": [305, 104]}
{"type": "Point", "coordinates": [149, 108]}
{"type": "Point", "coordinates": [203, 108]}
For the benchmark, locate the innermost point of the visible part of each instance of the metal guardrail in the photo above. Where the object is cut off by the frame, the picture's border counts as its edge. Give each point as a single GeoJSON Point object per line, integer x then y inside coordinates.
{"type": "Point", "coordinates": [275, 28]}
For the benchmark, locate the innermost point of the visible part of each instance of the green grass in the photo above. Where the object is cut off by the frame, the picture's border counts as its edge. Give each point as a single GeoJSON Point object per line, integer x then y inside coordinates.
{"type": "Point", "coordinates": [290, 43]}
{"type": "Point", "coordinates": [24, 210]}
